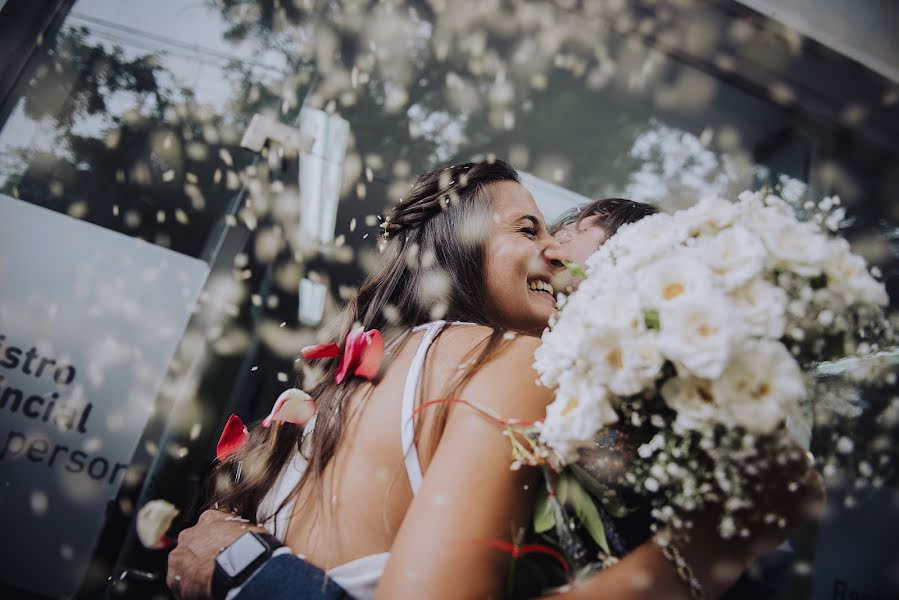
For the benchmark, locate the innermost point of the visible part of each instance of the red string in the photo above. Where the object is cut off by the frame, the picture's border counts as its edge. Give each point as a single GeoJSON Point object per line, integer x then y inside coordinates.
{"type": "Point", "coordinates": [500, 420]}
{"type": "Point", "coordinates": [430, 403]}
{"type": "Point", "coordinates": [518, 551]}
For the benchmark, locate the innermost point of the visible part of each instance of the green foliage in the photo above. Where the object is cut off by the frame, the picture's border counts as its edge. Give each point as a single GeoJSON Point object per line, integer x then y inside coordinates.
{"type": "Point", "coordinates": [574, 268]}
{"type": "Point", "coordinates": [573, 495]}
{"type": "Point", "coordinates": [544, 517]}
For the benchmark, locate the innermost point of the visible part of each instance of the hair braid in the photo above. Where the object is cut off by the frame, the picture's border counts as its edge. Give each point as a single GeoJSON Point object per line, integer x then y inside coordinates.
{"type": "Point", "coordinates": [432, 193]}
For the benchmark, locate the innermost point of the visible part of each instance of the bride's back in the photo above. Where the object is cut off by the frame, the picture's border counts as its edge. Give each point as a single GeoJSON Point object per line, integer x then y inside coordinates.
{"type": "Point", "coordinates": [364, 492]}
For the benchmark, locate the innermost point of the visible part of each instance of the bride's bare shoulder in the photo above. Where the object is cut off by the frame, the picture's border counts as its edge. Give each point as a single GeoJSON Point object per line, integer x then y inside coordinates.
{"type": "Point", "coordinates": [506, 381]}
{"type": "Point", "coordinates": [464, 339]}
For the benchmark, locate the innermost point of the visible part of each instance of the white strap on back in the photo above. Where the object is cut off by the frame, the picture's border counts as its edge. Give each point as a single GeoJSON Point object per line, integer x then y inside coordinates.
{"type": "Point", "coordinates": [407, 428]}
{"type": "Point", "coordinates": [407, 431]}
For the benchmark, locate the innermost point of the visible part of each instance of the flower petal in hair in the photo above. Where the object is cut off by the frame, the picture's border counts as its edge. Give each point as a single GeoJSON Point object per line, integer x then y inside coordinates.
{"type": "Point", "coordinates": [292, 406]}
{"type": "Point", "coordinates": [362, 354]}
{"type": "Point", "coordinates": [233, 437]}
{"type": "Point", "coordinates": [320, 351]}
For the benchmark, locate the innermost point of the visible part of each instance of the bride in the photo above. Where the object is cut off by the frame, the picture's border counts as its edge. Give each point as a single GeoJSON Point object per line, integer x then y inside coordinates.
{"type": "Point", "coordinates": [392, 502]}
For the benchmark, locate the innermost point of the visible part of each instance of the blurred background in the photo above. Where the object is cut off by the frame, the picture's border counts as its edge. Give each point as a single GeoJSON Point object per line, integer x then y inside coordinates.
{"type": "Point", "coordinates": [191, 189]}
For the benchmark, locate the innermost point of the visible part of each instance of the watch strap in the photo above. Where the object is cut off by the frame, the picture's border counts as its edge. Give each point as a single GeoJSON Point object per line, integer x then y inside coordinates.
{"type": "Point", "coordinates": [222, 582]}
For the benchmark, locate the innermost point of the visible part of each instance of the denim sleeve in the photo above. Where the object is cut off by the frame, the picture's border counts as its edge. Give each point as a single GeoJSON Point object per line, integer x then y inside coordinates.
{"type": "Point", "coordinates": [289, 577]}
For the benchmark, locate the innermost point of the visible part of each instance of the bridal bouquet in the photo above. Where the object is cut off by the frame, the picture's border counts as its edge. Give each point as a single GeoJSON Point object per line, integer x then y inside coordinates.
{"type": "Point", "coordinates": [695, 337]}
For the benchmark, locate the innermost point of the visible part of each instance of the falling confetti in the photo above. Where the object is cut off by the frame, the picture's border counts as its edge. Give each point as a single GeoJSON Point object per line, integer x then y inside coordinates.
{"type": "Point", "coordinates": [153, 521]}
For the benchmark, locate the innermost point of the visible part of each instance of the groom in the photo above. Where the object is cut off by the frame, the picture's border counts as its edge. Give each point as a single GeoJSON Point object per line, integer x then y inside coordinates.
{"type": "Point", "coordinates": [582, 230]}
{"type": "Point", "coordinates": [248, 563]}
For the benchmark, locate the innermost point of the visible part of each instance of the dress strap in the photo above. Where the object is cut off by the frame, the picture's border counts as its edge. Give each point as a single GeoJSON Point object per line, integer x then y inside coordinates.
{"type": "Point", "coordinates": [410, 454]}
{"type": "Point", "coordinates": [407, 430]}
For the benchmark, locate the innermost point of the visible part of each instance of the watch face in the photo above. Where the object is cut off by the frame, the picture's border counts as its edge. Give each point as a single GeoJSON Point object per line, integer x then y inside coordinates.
{"type": "Point", "coordinates": [236, 557]}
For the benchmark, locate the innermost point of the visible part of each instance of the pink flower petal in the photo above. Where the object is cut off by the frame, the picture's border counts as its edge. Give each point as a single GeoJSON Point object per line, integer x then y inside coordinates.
{"type": "Point", "coordinates": [320, 351]}
{"type": "Point", "coordinates": [293, 406]}
{"type": "Point", "coordinates": [371, 355]}
{"type": "Point", "coordinates": [234, 436]}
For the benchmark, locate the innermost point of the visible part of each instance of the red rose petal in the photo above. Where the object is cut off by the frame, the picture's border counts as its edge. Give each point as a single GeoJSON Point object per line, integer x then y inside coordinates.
{"type": "Point", "coordinates": [349, 358]}
{"type": "Point", "coordinates": [293, 406]}
{"type": "Point", "coordinates": [362, 354]}
{"type": "Point", "coordinates": [371, 355]}
{"type": "Point", "coordinates": [233, 437]}
{"type": "Point", "coordinates": [320, 351]}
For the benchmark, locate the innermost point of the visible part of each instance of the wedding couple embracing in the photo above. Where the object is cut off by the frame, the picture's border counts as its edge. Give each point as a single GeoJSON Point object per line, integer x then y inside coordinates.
{"type": "Point", "coordinates": [410, 482]}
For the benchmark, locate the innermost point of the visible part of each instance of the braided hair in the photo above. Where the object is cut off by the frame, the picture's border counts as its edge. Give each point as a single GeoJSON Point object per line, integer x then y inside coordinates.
{"type": "Point", "coordinates": [433, 238]}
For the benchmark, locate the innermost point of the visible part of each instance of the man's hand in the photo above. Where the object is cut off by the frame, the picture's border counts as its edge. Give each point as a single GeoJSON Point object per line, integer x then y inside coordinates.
{"type": "Point", "coordinates": [192, 561]}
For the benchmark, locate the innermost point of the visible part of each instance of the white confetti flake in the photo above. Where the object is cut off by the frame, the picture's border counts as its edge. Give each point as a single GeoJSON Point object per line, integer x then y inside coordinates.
{"type": "Point", "coordinates": [39, 502]}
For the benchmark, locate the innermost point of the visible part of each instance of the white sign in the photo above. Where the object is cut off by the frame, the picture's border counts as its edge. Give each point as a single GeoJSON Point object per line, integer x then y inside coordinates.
{"type": "Point", "coordinates": [89, 321]}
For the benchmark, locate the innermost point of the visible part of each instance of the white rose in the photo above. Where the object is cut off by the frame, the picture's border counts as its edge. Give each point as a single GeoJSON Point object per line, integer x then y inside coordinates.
{"type": "Point", "coordinates": [572, 420]}
{"type": "Point", "coordinates": [761, 306]}
{"type": "Point", "coordinates": [696, 335]}
{"type": "Point", "coordinates": [760, 386]}
{"type": "Point", "coordinates": [605, 302]}
{"type": "Point", "coordinates": [692, 399]}
{"type": "Point", "coordinates": [674, 278]}
{"type": "Point", "coordinates": [763, 210]}
{"type": "Point", "coordinates": [847, 274]}
{"type": "Point", "coordinates": [639, 243]}
{"type": "Point", "coordinates": [735, 254]}
{"type": "Point", "coordinates": [708, 215]}
{"type": "Point", "coordinates": [623, 361]}
{"type": "Point", "coordinates": [588, 314]}
{"type": "Point", "coordinates": [797, 247]}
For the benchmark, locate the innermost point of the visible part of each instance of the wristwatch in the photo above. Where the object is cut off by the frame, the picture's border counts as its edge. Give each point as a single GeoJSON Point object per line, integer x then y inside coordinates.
{"type": "Point", "coordinates": [235, 563]}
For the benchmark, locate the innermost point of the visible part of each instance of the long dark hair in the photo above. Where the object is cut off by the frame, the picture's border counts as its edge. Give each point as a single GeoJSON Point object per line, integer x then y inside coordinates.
{"type": "Point", "coordinates": [436, 233]}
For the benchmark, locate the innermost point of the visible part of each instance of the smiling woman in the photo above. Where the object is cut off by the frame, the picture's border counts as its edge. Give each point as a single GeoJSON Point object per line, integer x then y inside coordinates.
{"type": "Point", "coordinates": [518, 283]}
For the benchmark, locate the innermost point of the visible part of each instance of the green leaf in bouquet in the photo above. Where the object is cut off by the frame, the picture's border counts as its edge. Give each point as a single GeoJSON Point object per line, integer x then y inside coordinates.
{"type": "Point", "coordinates": [651, 318]}
{"type": "Point", "coordinates": [609, 499]}
{"type": "Point", "coordinates": [573, 494]}
{"type": "Point", "coordinates": [544, 517]}
{"type": "Point", "coordinates": [574, 268]}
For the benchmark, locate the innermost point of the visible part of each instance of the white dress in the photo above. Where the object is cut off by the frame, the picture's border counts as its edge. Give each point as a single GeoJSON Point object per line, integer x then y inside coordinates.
{"type": "Point", "coordinates": [358, 577]}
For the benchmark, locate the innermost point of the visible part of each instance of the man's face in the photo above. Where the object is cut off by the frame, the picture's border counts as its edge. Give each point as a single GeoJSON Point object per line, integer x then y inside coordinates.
{"type": "Point", "coordinates": [580, 240]}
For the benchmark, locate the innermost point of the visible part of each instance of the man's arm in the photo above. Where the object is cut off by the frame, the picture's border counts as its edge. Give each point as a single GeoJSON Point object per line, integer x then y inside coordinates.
{"type": "Point", "coordinates": [283, 576]}
{"type": "Point", "coordinates": [192, 562]}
